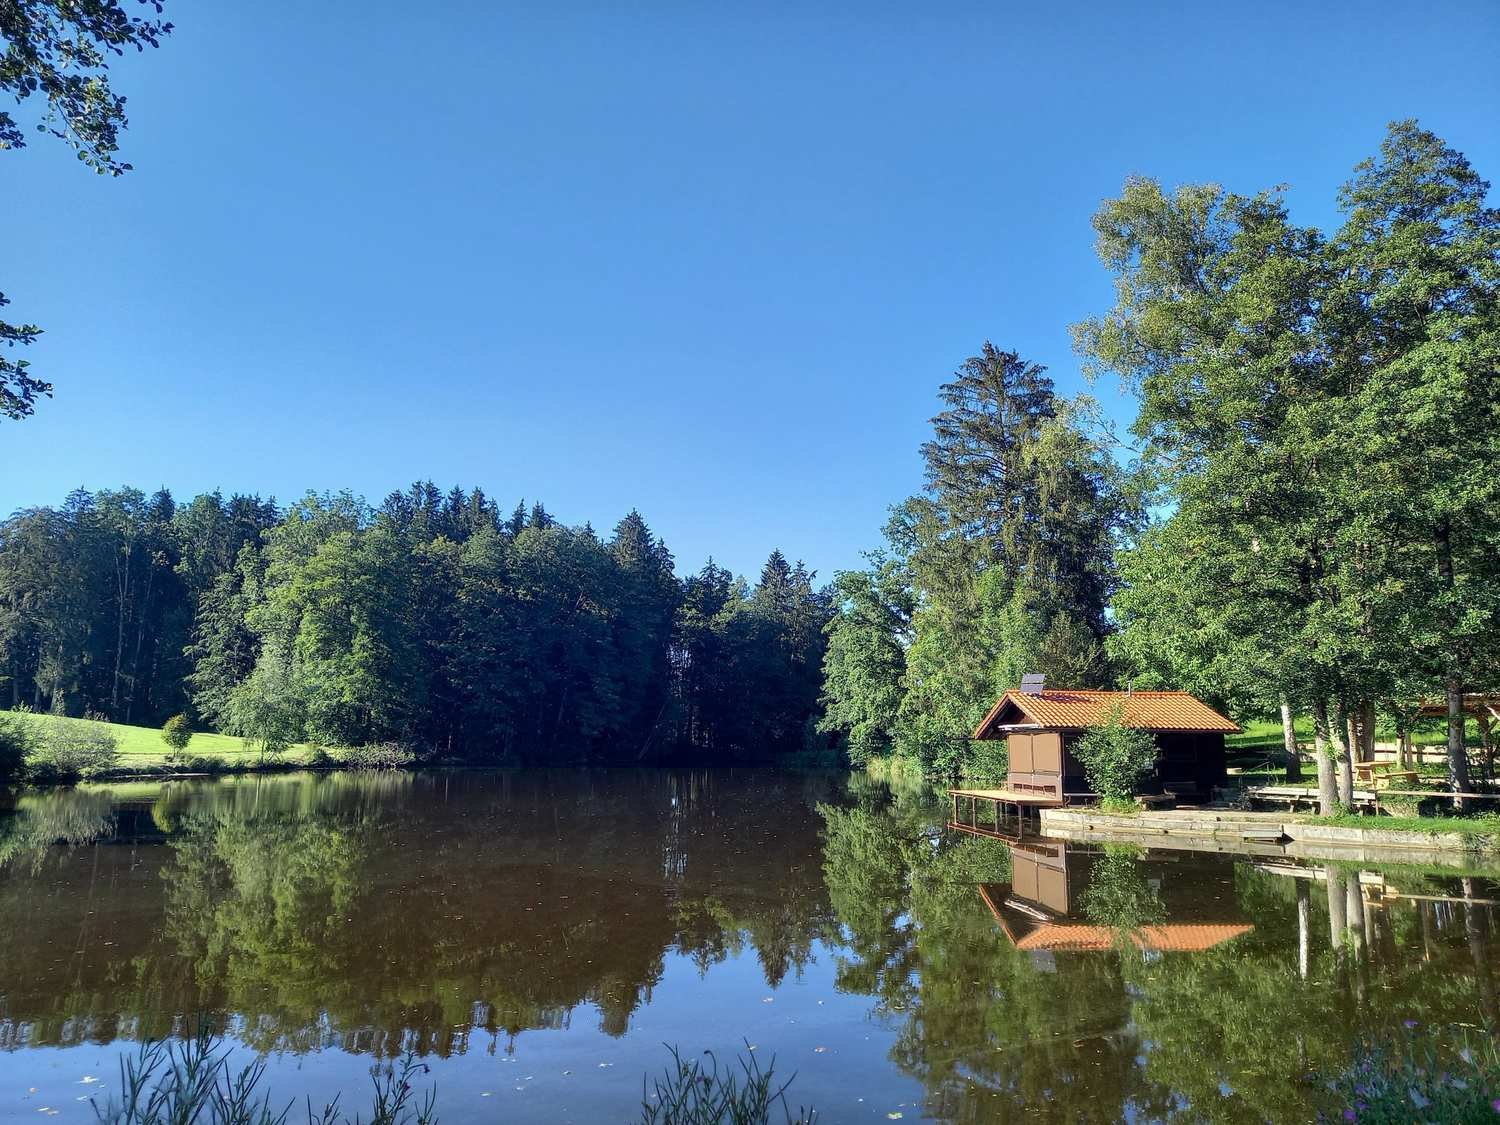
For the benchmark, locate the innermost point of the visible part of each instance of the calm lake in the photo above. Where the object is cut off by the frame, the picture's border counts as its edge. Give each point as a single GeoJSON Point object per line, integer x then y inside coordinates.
{"type": "Point", "coordinates": [539, 935]}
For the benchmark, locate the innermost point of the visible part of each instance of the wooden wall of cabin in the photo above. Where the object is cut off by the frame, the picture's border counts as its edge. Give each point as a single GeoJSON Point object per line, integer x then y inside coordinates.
{"type": "Point", "coordinates": [1043, 761]}
{"type": "Point", "coordinates": [1036, 761]}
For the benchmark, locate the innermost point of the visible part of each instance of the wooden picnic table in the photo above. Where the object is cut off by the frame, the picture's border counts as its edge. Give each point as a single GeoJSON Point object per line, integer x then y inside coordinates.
{"type": "Point", "coordinates": [1380, 775]}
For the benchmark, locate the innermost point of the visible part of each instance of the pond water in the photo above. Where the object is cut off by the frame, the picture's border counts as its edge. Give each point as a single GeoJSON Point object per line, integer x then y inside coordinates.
{"type": "Point", "coordinates": [537, 936]}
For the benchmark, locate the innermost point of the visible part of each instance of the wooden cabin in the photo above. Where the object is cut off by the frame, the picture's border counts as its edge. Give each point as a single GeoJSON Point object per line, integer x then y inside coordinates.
{"type": "Point", "coordinates": [1042, 724]}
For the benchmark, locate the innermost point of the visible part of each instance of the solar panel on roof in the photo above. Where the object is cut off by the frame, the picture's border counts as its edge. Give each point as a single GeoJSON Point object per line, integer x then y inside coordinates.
{"type": "Point", "coordinates": [1033, 683]}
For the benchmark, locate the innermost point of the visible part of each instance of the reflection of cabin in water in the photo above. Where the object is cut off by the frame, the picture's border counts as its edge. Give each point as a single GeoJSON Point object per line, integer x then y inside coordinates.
{"type": "Point", "coordinates": [1041, 726]}
{"type": "Point", "coordinates": [1039, 908]}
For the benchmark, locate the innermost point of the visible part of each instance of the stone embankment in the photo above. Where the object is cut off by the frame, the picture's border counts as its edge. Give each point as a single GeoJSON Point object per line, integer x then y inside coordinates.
{"type": "Point", "coordinates": [1266, 833]}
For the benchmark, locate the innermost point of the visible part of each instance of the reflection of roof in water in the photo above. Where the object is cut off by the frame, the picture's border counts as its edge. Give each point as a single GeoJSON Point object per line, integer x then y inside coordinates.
{"type": "Point", "coordinates": [1170, 937]}
{"type": "Point", "coordinates": [1030, 928]}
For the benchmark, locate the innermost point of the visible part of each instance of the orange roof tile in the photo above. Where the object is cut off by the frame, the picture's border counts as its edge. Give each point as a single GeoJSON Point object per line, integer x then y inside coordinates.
{"type": "Point", "coordinates": [1170, 937]}
{"type": "Point", "coordinates": [1074, 710]}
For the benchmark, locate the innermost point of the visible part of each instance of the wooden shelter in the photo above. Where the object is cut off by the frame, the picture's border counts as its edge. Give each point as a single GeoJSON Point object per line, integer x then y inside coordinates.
{"type": "Point", "coordinates": [1041, 725]}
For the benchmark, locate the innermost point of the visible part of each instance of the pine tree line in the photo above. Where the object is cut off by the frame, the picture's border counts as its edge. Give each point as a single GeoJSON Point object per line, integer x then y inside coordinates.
{"type": "Point", "coordinates": [435, 620]}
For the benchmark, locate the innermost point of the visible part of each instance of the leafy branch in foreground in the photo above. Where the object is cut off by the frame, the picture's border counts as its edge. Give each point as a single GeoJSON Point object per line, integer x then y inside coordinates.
{"type": "Point", "coordinates": [691, 1092]}
{"type": "Point", "coordinates": [61, 51]}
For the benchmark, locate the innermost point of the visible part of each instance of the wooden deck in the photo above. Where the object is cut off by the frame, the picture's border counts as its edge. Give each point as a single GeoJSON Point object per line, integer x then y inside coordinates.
{"type": "Point", "coordinates": [1000, 825]}
{"type": "Point", "coordinates": [1008, 796]}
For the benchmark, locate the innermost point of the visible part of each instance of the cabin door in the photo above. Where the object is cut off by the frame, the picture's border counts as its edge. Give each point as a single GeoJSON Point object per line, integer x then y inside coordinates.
{"type": "Point", "coordinates": [1036, 762]}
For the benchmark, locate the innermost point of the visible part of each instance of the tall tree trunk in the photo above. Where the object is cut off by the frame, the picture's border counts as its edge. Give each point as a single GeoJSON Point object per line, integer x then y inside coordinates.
{"type": "Point", "coordinates": [1289, 740]}
{"type": "Point", "coordinates": [1345, 768]}
{"type": "Point", "coordinates": [122, 595]}
{"type": "Point", "coordinates": [1458, 757]}
{"type": "Point", "coordinates": [1327, 791]}
{"type": "Point", "coordinates": [140, 634]}
{"type": "Point", "coordinates": [1364, 724]}
{"type": "Point", "coordinates": [1458, 761]}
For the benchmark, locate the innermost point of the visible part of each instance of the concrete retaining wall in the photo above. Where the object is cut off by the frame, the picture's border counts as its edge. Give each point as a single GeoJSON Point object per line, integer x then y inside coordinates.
{"type": "Point", "coordinates": [1260, 833]}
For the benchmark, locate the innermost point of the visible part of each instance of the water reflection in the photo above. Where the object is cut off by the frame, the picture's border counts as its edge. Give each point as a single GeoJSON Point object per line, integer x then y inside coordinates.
{"type": "Point", "coordinates": [381, 912]}
{"type": "Point", "coordinates": [451, 914]}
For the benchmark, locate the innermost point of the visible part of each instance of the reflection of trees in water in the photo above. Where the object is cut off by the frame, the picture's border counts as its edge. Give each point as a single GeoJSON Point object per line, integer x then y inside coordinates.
{"type": "Point", "coordinates": [985, 1030]}
{"type": "Point", "coordinates": [259, 905]}
{"type": "Point", "coordinates": [63, 816]}
{"type": "Point", "coordinates": [381, 912]}
{"type": "Point", "coordinates": [1120, 896]}
{"type": "Point", "coordinates": [1228, 1034]}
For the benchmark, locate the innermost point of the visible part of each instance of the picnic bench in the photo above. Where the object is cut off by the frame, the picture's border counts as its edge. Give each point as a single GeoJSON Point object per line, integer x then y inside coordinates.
{"type": "Point", "coordinates": [1382, 775]}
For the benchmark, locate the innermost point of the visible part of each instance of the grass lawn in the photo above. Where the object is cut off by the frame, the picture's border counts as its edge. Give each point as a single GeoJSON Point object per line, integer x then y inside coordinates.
{"type": "Point", "coordinates": [142, 747]}
{"type": "Point", "coordinates": [1265, 734]}
{"type": "Point", "coordinates": [1481, 824]}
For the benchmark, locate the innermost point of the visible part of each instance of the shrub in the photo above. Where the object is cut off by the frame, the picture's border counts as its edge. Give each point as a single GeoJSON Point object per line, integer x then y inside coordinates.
{"type": "Point", "coordinates": [1115, 757]}
{"type": "Point", "coordinates": [319, 758]}
{"type": "Point", "coordinates": [177, 733]}
{"type": "Point", "coordinates": [378, 756]}
{"type": "Point", "coordinates": [18, 742]}
{"type": "Point", "coordinates": [988, 760]}
{"type": "Point", "coordinates": [68, 750]}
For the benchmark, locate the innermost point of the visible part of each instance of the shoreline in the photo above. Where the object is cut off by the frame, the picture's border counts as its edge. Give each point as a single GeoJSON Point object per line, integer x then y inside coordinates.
{"type": "Point", "coordinates": [1263, 834]}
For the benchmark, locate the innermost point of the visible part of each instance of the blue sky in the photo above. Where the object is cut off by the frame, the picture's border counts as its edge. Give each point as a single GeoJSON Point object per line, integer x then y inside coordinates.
{"type": "Point", "coordinates": [708, 262]}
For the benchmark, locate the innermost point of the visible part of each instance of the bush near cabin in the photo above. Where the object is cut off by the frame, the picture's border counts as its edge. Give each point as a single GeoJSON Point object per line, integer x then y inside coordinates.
{"type": "Point", "coordinates": [1115, 757]}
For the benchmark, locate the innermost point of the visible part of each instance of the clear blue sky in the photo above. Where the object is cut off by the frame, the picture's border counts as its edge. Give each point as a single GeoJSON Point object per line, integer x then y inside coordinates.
{"type": "Point", "coordinates": [709, 263]}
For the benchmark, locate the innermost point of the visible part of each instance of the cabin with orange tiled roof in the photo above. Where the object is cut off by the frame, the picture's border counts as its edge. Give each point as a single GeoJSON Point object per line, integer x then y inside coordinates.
{"type": "Point", "coordinates": [1042, 724]}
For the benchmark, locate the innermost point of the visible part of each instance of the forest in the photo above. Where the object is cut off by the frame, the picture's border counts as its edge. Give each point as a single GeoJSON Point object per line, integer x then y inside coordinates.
{"type": "Point", "coordinates": [435, 621]}
{"type": "Point", "coordinates": [1302, 518]}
